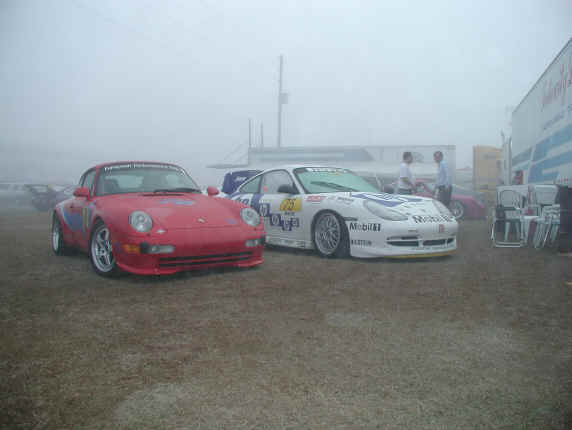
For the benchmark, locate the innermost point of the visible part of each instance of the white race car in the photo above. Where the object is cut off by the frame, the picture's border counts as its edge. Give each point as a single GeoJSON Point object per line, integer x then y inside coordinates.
{"type": "Point", "coordinates": [336, 212]}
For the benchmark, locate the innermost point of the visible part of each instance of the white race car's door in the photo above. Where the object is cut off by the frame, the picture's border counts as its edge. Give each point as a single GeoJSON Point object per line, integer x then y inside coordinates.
{"type": "Point", "coordinates": [281, 207]}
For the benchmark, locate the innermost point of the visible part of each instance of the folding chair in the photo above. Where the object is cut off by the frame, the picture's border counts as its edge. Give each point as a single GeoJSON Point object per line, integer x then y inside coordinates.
{"type": "Point", "coordinates": [507, 230]}
{"type": "Point", "coordinates": [547, 226]}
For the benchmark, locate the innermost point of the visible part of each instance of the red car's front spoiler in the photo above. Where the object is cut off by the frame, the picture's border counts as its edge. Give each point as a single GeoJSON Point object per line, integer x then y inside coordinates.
{"type": "Point", "coordinates": [195, 249]}
{"type": "Point", "coordinates": [252, 261]}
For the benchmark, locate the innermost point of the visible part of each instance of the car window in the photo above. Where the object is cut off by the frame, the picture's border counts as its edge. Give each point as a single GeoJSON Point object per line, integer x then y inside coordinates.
{"type": "Point", "coordinates": [252, 186]}
{"type": "Point", "coordinates": [372, 180]}
{"type": "Point", "coordinates": [88, 180]}
{"type": "Point", "coordinates": [175, 181]}
{"type": "Point", "coordinates": [271, 181]}
{"type": "Point", "coordinates": [331, 180]}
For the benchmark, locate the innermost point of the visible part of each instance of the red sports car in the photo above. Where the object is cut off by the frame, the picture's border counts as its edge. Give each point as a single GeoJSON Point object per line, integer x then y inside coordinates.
{"type": "Point", "coordinates": [465, 204]}
{"type": "Point", "coordinates": [151, 218]}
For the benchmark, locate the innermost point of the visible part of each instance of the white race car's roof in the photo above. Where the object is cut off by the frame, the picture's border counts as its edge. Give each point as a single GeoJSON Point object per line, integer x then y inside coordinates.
{"type": "Point", "coordinates": [291, 167]}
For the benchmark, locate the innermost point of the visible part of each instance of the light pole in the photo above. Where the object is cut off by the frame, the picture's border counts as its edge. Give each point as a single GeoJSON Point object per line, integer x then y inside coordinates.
{"type": "Point", "coordinates": [280, 103]}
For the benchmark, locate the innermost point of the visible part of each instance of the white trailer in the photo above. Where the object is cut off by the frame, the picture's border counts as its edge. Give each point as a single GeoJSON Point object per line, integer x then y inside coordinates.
{"type": "Point", "coordinates": [541, 145]}
{"type": "Point", "coordinates": [542, 126]}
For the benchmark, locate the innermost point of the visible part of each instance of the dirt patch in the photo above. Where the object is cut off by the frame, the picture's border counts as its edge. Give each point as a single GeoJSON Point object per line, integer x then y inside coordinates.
{"type": "Point", "coordinates": [482, 339]}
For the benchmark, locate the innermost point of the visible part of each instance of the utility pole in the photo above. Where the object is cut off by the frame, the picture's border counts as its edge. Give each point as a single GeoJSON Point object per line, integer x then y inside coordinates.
{"type": "Point", "coordinates": [249, 133]}
{"type": "Point", "coordinates": [280, 97]}
{"type": "Point", "coordinates": [262, 135]}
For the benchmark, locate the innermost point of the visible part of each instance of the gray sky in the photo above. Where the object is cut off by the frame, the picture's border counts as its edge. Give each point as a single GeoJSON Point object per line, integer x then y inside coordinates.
{"type": "Point", "coordinates": [87, 81]}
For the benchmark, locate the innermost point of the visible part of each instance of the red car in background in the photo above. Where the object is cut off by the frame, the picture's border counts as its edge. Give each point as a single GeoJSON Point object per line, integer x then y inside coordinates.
{"type": "Point", "coordinates": [465, 204]}
{"type": "Point", "coordinates": [151, 218]}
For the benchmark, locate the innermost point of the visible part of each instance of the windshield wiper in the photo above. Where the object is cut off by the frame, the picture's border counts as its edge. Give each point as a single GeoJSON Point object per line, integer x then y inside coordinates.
{"type": "Point", "coordinates": [333, 185]}
{"type": "Point", "coordinates": [177, 190]}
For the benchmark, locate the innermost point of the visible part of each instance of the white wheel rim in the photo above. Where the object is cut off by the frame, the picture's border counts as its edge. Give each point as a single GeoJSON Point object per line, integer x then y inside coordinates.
{"type": "Point", "coordinates": [102, 251]}
{"type": "Point", "coordinates": [456, 209]}
{"type": "Point", "coordinates": [327, 234]}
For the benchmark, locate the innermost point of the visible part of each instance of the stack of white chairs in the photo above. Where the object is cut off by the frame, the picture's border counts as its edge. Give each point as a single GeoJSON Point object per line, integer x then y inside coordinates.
{"type": "Point", "coordinates": [546, 227]}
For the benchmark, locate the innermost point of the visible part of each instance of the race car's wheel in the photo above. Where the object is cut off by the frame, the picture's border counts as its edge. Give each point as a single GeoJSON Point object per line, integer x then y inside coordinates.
{"type": "Point", "coordinates": [457, 209]}
{"type": "Point", "coordinates": [330, 235]}
{"type": "Point", "coordinates": [58, 244]}
{"type": "Point", "coordinates": [101, 251]}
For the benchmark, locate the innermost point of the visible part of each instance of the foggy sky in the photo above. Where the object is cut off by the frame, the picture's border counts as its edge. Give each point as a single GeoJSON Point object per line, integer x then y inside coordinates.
{"type": "Point", "coordinates": [89, 81]}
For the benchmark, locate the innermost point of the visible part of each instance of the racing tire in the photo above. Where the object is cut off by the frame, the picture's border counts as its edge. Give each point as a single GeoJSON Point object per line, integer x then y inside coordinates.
{"type": "Point", "coordinates": [58, 243]}
{"type": "Point", "coordinates": [101, 252]}
{"type": "Point", "coordinates": [457, 209]}
{"type": "Point", "coordinates": [330, 235]}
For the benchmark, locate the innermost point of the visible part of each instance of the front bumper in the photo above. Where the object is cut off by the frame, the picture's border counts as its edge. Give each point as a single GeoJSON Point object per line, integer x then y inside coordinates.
{"type": "Point", "coordinates": [402, 239]}
{"type": "Point", "coordinates": [194, 249]}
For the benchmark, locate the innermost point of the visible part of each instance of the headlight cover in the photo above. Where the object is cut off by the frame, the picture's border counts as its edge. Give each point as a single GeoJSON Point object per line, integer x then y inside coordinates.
{"type": "Point", "coordinates": [442, 208]}
{"type": "Point", "coordinates": [381, 211]}
{"type": "Point", "coordinates": [140, 221]}
{"type": "Point", "coordinates": [250, 216]}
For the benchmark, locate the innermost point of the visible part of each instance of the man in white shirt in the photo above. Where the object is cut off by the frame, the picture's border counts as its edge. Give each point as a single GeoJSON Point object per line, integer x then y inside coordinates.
{"type": "Point", "coordinates": [406, 182]}
{"type": "Point", "coordinates": [443, 186]}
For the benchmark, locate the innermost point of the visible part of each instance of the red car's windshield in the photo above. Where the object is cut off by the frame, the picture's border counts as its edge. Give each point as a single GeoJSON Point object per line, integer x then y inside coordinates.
{"type": "Point", "coordinates": [142, 177]}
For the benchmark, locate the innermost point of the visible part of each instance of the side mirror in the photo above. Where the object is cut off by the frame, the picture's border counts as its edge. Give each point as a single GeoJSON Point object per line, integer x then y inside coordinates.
{"type": "Point", "coordinates": [287, 189]}
{"type": "Point", "coordinates": [212, 191]}
{"type": "Point", "coordinates": [81, 192]}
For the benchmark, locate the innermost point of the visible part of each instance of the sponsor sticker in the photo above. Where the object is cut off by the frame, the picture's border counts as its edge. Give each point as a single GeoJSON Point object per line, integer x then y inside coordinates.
{"type": "Point", "coordinates": [85, 219]}
{"type": "Point", "coordinates": [141, 166]}
{"type": "Point", "coordinates": [315, 199]}
{"type": "Point", "coordinates": [361, 242]}
{"type": "Point", "coordinates": [286, 224]}
{"type": "Point", "coordinates": [345, 200]}
{"type": "Point", "coordinates": [422, 219]}
{"type": "Point", "coordinates": [365, 226]}
{"type": "Point", "coordinates": [291, 205]}
{"type": "Point", "coordinates": [389, 200]}
{"type": "Point", "coordinates": [326, 169]}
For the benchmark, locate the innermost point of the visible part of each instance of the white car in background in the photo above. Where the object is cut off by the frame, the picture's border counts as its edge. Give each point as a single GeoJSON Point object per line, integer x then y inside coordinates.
{"type": "Point", "coordinates": [337, 213]}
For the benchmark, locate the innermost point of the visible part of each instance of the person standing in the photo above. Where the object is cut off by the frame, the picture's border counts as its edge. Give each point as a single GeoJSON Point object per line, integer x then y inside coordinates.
{"type": "Point", "coordinates": [518, 178]}
{"type": "Point", "coordinates": [443, 186]}
{"type": "Point", "coordinates": [406, 182]}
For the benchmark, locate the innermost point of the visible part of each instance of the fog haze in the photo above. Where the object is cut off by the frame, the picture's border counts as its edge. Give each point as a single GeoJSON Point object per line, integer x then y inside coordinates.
{"type": "Point", "coordinates": [91, 81]}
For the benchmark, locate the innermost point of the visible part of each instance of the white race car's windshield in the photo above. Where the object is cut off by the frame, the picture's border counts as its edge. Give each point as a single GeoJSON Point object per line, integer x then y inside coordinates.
{"type": "Point", "coordinates": [143, 178]}
{"type": "Point", "coordinates": [331, 180]}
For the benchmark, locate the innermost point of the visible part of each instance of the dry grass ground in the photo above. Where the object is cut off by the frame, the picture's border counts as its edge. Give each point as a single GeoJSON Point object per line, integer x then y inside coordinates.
{"type": "Point", "coordinates": [479, 340]}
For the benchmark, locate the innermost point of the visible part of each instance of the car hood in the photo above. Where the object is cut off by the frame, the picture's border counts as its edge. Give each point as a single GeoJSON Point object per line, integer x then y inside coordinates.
{"type": "Point", "coordinates": [406, 204]}
{"type": "Point", "coordinates": [179, 211]}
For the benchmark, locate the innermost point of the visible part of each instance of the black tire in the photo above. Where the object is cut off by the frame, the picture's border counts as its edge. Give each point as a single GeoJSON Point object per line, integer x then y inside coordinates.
{"type": "Point", "coordinates": [59, 245]}
{"type": "Point", "coordinates": [457, 209]}
{"type": "Point", "coordinates": [330, 235]}
{"type": "Point", "coordinates": [101, 252]}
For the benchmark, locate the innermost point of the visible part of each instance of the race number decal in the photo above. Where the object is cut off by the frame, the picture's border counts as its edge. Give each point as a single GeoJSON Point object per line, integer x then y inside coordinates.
{"type": "Point", "coordinates": [291, 205]}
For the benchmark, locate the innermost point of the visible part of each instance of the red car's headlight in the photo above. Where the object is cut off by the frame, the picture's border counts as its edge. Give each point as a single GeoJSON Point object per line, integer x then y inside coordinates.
{"type": "Point", "coordinates": [140, 221]}
{"type": "Point", "coordinates": [250, 216]}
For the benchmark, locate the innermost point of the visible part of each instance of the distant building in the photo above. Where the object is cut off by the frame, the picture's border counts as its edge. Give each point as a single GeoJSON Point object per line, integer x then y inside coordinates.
{"type": "Point", "coordinates": [382, 160]}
